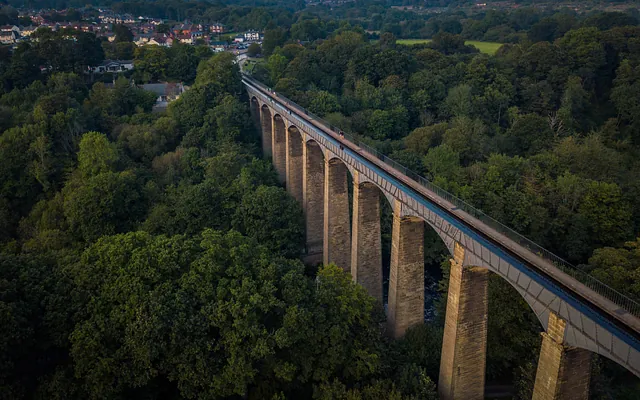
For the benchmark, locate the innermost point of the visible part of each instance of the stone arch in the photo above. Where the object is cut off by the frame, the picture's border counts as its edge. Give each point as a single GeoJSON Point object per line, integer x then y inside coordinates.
{"type": "Point", "coordinates": [337, 219]}
{"type": "Point", "coordinates": [314, 143]}
{"type": "Point", "coordinates": [442, 228]}
{"type": "Point", "coordinates": [581, 331]}
{"type": "Point", "coordinates": [367, 261]}
{"type": "Point", "coordinates": [279, 146]}
{"type": "Point", "coordinates": [294, 162]}
{"type": "Point", "coordinates": [267, 127]}
{"type": "Point", "coordinates": [364, 180]}
{"type": "Point", "coordinates": [313, 199]}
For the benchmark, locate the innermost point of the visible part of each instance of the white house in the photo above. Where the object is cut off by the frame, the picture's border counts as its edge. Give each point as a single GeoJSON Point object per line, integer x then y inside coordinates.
{"type": "Point", "coordinates": [115, 66]}
{"type": "Point", "coordinates": [8, 36]}
{"type": "Point", "coordinates": [251, 36]}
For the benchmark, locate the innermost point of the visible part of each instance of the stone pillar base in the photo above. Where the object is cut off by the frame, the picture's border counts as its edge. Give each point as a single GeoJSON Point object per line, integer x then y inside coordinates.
{"type": "Point", "coordinates": [564, 372]}
{"type": "Point", "coordinates": [406, 279]}
{"type": "Point", "coordinates": [366, 244]}
{"type": "Point", "coordinates": [464, 345]}
{"type": "Point", "coordinates": [337, 229]}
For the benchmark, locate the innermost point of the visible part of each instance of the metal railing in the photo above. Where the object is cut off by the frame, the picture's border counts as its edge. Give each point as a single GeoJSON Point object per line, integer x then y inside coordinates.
{"type": "Point", "coordinates": [620, 299]}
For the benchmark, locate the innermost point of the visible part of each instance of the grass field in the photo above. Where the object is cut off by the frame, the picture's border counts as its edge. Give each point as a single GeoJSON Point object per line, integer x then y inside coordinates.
{"type": "Point", "coordinates": [484, 47]}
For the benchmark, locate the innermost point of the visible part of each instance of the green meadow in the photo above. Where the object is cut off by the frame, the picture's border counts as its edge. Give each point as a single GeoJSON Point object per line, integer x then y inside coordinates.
{"type": "Point", "coordinates": [484, 47]}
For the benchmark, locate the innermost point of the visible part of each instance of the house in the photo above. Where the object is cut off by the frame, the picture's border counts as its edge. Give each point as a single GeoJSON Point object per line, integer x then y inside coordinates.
{"type": "Point", "coordinates": [142, 38]}
{"type": "Point", "coordinates": [217, 28]}
{"type": "Point", "coordinates": [238, 39]}
{"type": "Point", "coordinates": [167, 92]}
{"type": "Point", "coordinates": [111, 37]}
{"type": "Point", "coordinates": [185, 38]}
{"type": "Point", "coordinates": [10, 28]}
{"type": "Point", "coordinates": [161, 41]}
{"type": "Point", "coordinates": [29, 30]}
{"type": "Point", "coordinates": [115, 66]}
{"type": "Point", "coordinates": [184, 29]}
{"type": "Point", "coordinates": [251, 36]}
{"type": "Point", "coordinates": [218, 46]}
{"type": "Point", "coordinates": [146, 28]}
{"type": "Point", "coordinates": [9, 34]}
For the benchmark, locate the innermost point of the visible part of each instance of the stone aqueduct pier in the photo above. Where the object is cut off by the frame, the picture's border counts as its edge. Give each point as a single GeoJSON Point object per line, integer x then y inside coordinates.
{"type": "Point", "coordinates": [314, 163]}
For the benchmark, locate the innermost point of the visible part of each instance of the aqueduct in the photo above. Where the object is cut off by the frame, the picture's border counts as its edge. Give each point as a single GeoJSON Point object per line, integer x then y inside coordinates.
{"type": "Point", "coordinates": [579, 315]}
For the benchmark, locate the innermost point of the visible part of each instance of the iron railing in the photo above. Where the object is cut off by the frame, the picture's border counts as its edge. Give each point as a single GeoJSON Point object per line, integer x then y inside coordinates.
{"type": "Point", "coordinates": [620, 299]}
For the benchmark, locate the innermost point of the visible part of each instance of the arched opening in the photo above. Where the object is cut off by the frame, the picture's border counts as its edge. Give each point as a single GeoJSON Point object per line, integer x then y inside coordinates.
{"type": "Point", "coordinates": [371, 248]}
{"type": "Point", "coordinates": [313, 200]}
{"type": "Point", "coordinates": [337, 214]}
{"type": "Point", "coordinates": [279, 147]}
{"type": "Point", "coordinates": [294, 163]}
{"type": "Point", "coordinates": [406, 278]}
{"type": "Point", "coordinates": [513, 340]}
{"type": "Point", "coordinates": [267, 126]}
{"type": "Point", "coordinates": [255, 111]}
{"type": "Point", "coordinates": [366, 255]}
{"type": "Point", "coordinates": [519, 357]}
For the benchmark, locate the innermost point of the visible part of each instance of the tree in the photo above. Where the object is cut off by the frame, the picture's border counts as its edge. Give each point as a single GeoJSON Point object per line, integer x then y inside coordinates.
{"type": "Point", "coordinates": [163, 28]}
{"type": "Point", "coordinates": [468, 138]}
{"type": "Point", "coordinates": [123, 33]}
{"type": "Point", "coordinates": [618, 267]}
{"type": "Point", "coordinates": [104, 204]}
{"type": "Point", "coordinates": [35, 316]}
{"type": "Point", "coordinates": [449, 44]}
{"type": "Point", "coordinates": [607, 213]}
{"type": "Point", "coordinates": [607, 20]}
{"type": "Point", "coordinates": [272, 39]}
{"type": "Point", "coordinates": [189, 209]}
{"type": "Point", "coordinates": [273, 218]}
{"type": "Point", "coordinates": [276, 65]}
{"type": "Point", "coordinates": [323, 102]}
{"type": "Point", "coordinates": [150, 266]}
{"type": "Point", "coordinates": [459, 101]}
{"type": "Point", "coordinates": [230, 122]}
{"type": "Point", "coordinates": [530, 134]}
{"type": "Point", "coordinates": [625, 96]}
{"type": "Point", "coordinates": [574, 109]}
{"type": "Point", "coordinates": [96, 154]}
{"type": "Point", "coordinates": [254, 49]}
{"type": "Point", "coordinates": [222, 72]}
{"type": "Point", "coordinates": [585, 50]}
{"type": "Point", "coordinates": [151, 63]}
{"type": "Point", "coordinates": [422, 139]}
{"type": "Point", "coordinates": [444, 162]}
{"type": "Point", "coordinates": [308, 30]}
{"type": "Point", "coordinates": [183, 64]}
{"type": "Point", "coordinates": [229, 318]}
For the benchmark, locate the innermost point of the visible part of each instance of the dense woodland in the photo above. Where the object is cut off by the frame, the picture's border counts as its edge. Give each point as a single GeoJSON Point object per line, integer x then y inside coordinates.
{"type": "Point", "coordinates": [154, 255]}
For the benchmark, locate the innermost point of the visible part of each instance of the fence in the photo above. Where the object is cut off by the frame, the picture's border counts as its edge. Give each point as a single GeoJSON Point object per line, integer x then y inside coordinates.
{"type": "Point", "coordinates": [620, 299]}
